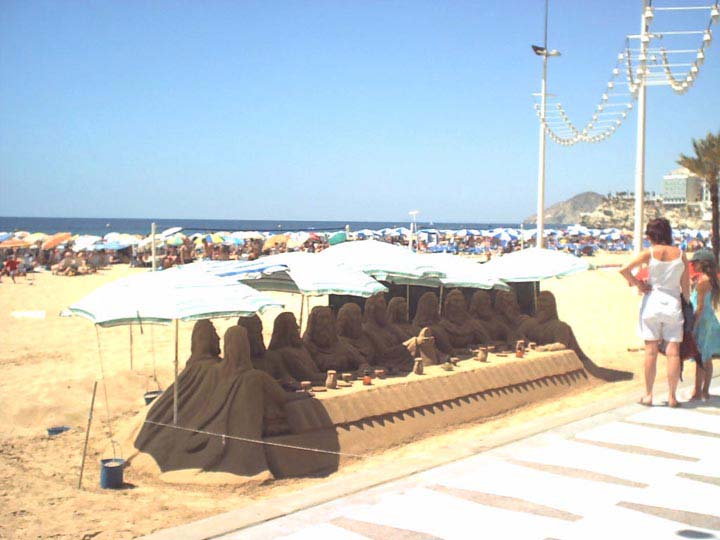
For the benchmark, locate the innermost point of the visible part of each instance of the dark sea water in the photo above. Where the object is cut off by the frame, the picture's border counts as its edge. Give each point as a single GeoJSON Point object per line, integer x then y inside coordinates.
{"type": "Point", "coordinates": [102, 226]}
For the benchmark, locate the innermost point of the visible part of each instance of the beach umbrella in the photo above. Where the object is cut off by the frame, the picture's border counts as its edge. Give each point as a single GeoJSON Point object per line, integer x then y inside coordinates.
{"type": "Point", "coordinates": [298, 272]}
{"type": "Point", "coordinates": [84, 242]}
{"type": "Point", "coordinates": [175, 240]}
{"type": "Point", "coordinates": [56, 239]}
{"type": "Point", "coordinates": [383, 261]}
{"type": "Point", "coordinates": [4, 236]}
{"type": "Point", "coordinates": [214, 238]}
{"type": "Point", "coordinates": [337, 238]}
{"type": "Point", "coordinates": [21, 234]}
{"type": "Point", "coordinates": [461, 272]}
{"type": "Point", "coordinates": [275, 240]}
{"type": "Point", "coordinates": [35, 237]}
{"type": "Point", "coordinates": [14, 243]}
{"type": "Point", "coordinates": [534, 264]}
{"type": "Point", "coordinates": [169, 232]}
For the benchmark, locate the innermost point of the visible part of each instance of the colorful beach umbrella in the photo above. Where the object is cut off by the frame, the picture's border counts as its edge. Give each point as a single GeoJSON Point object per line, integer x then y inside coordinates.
{"type": "Point", "coordinates": [14, 243]}
{"type": "Point", "coordinates": [56, 239]}
{"type": "Point", "coordinates": [275, 240]}
{"type": "Point", "coordinates": [175, 240]}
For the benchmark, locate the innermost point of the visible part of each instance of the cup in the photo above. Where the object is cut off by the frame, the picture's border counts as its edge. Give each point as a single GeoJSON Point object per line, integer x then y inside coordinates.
{"type": "Point", "coordinates": [520, 349]}
{"type": "Point", "coordinates": [418, 367]}
{"type": "Point", "coordinates": [380, 373]}
{"type": "Point", "coordinates": [306, 385]}
{"type": "Point", "coordinates": [331, 381]}
{"type": "Point", "coordinates": [482, 355]}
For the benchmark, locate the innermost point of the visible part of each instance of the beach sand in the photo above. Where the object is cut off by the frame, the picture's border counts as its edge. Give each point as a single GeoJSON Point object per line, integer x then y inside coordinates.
{"type": "Point", "coordinates": [48, 366]}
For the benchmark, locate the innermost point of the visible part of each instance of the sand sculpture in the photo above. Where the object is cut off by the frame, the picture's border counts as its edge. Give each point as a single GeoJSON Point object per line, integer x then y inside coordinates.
{"type": "Point", "coordinates": [270, 364]}
{"type": "Point", "coordinates": [204, 344]}
{"type": "Point", "coordinates": [326, 348]}
{"type": "Point", "coordinates": [548, 328]}
{"type": "Point", "coordinates": [509, 313]}
{"type": "Point", "coordinates": [462, 329]}
{"type": "Point", "coordinates": [427, 315]}
{"type": "Point", "coordinates": [350, 330]}
{"type": "Point", "coordinates": [398, 319]}
{"type": "Point", "coordinates": [290, 350]}
{"type": "Point", "coordinates": [390, 351]}
{"type": "Point", "coordinates": [228, 397]}
{"type": "Point", "coordinates": [482, 309]}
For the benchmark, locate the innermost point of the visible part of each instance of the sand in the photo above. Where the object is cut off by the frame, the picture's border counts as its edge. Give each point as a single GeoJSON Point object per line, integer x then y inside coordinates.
{"type": "Point", "coordinates": [48, 366]}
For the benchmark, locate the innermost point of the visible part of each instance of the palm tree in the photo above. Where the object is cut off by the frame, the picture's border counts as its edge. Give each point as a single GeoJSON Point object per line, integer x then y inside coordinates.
{"type": "Point", "coordinates": [706, 165]}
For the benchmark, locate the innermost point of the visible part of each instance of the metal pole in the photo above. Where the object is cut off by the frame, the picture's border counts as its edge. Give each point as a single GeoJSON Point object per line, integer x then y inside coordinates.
{"type": "Point", "coordinates": [87, 435]}
{"type": "Point", "coordinates": [175, 386]}
{"type": "Point", "coordinates": [302, 309]}
{"type": "Point", "coordinates": [541, 167]}
{"type": "Point", "coordinates": [640, 150]}
{"type": "Point", "coordinates": [152, 245]}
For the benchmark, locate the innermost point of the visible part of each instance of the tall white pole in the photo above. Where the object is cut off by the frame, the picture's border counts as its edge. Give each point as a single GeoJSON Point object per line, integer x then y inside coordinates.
{"type": "Point", "coordinates": [175, 385]}
{"type": "Point", "coordinates": [541, 165]}
{"type": "Point", "coordinates": [640, 150]}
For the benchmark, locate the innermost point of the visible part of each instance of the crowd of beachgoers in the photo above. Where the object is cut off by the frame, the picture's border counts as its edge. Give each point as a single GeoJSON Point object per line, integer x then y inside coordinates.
{"type": "Point", "coordinates": [68, 254]}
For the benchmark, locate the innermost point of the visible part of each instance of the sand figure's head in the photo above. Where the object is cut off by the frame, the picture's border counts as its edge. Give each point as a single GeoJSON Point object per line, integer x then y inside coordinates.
{"type": "Point", "coordinates": [286, 332]}
{"type": "Point", "coordinates": [237, 350]}
{"type": "Point", "coordinates": [397, 311]}
{"type": "Point", "coordinates": [506, 303]}
{"type": "Point", "coordinates": [426, 313]}
{"type": "Point", "coordinates": [481, 306]}
{"type": "Point", "coordinates": [321, 329]}
{"type": "Point", "coordinates": [349, 321]}
{"type": "Point", "coordinates": [205, 342]}
{"type": "Point", "coordinates": [546, 307]}
{"type": "Point", "coordinates": [254, 328]}
{"type": "Point", "coordinates": [455, 308]}
{"type": "Point", "coordinates": [376, 310]}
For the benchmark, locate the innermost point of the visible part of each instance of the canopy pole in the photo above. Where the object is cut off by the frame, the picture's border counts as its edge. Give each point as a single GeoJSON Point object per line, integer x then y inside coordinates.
{"type": "Point", "coordinates": [442, 288]}
{"type": "Point", "coordinates": [131, 347]}
{"type": "Point", "coordinates": [407, 299]}
{"type": "Point", "coordinates": [175, 386]}
{"type": "Point", "coordinates": [302, 310]}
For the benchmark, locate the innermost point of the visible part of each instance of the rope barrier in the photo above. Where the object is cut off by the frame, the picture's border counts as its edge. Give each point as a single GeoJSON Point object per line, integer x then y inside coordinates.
{"type": "Point", "coordinates": [224, 436]}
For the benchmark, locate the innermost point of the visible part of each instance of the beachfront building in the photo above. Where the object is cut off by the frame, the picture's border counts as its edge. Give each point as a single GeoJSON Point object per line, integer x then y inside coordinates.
{"type": "Point", "coordinates": [681, 187]}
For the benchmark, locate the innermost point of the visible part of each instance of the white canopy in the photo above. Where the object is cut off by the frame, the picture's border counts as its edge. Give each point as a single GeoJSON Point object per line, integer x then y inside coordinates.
{"type": "Point", "coordinates": [299, 272]}
{"type": "Point", "coordinates": [534, 264]}
{"type": "Point", "coordinates": [174, 294]}
{"type": "Point", "coordinates": [463, 272]}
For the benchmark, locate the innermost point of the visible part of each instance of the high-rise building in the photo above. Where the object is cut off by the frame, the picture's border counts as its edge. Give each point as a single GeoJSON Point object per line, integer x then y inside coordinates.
{"type": "Point", "coordinates": [681, 187]}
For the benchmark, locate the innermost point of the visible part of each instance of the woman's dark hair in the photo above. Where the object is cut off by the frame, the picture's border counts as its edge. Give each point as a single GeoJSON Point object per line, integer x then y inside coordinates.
{"type": "Point", "coordinates": [659, 231]}
{"type": "Point", "coordinates": [710, 269]}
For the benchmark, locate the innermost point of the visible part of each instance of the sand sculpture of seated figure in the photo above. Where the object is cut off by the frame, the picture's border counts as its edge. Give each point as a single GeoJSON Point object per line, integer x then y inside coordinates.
{"type": "Point", "coordinates": [231, 398]}
{"type": "Point", "coordinates": [270, 364]}
{"type": "Point", "coordinates": [389, 350]}
{"type": "Point", "coordinates": [290, 350]}
{"type": "Point", "coordinates": [508, 310]}
{"type": "Point", "coordinates": [549, 328]}
{"type": "Point", "coordinates": [419, 342]}
{"type": "Point", "coordinates": [326, 348]}
{"type": "Point", "coordinates": [204, 344]}
{"type": "Point", "coordinates": [482, 309]}
{"type": "Point", "coordinates": [427, 315]}
{"type": "Point", "coordinates": [461, 328]}
{"type": "Point", "coordinates": [350, 330]}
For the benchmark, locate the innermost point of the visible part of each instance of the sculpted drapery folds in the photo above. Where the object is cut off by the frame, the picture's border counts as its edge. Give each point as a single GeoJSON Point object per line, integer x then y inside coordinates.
{"type": "Point", "coordinates": [461, 328]}
{"type": "Point", "coordinates": [326, 349]}
{"type": "Point", "coordinates": [427, 315]}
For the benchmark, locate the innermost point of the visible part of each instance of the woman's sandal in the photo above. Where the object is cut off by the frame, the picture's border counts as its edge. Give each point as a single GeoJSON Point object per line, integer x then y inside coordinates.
{"type": "Point", "coordinates": [645, 403]}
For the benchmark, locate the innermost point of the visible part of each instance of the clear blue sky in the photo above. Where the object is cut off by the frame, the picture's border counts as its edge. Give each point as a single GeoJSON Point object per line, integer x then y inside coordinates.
{"type": "Point", "coordinates": [348, 110]}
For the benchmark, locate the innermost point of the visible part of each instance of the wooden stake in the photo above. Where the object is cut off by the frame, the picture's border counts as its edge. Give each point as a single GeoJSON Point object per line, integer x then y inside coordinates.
{"type": "Point", "coordinates": [87, 435]}
{"type": "Point", "coordinates": [131, 347]}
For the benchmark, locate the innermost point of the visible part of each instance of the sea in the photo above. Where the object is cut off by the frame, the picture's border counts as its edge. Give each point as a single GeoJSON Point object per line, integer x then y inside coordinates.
{"type": "Point", "coordinates": [103, 226]}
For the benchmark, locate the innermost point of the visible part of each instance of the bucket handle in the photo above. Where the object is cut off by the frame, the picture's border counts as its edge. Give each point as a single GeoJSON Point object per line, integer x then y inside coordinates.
{"type": "Point", "coordinates": [115, 444]}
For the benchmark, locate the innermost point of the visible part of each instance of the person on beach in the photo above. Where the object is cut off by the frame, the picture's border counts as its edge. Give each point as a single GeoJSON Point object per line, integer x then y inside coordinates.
{"type": "Point", "coordinates": [706, 302]}
{"type": "Point", "coordinates": [661, 309]}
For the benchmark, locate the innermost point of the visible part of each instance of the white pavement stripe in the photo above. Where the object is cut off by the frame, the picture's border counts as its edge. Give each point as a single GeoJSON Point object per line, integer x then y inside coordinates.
{"type": "Point", "coordinates": [574, 495]}
{"type": "Point", "coordinates": [682, 418]}
{"type": "Point", "coordinates": [654, 439]}
{"type": "Point", "coordinates": [323, 531]}
{"type": "Point", "coordinates": [634, 467]}
{"type": "Point", "coordinates": [681, 494]}
{"type": "Point", "coordinates": [451, 518]}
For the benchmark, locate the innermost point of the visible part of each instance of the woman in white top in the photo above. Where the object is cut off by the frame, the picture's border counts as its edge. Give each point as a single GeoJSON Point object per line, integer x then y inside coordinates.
{"type": "Point", "coordinates": [661, 311]}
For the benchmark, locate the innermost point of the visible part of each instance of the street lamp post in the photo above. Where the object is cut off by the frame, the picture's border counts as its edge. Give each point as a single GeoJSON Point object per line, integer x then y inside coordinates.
{"type": "Point", "coordinates": [413, 227]}
{"type": "Point", "coordinates": [542, 51]}
{"type": "Point", "coordinates": [640, 150]}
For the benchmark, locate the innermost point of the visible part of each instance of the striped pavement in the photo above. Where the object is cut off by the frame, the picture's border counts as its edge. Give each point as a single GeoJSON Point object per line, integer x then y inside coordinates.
{"type": "Point", "coordinates": [635, 472]}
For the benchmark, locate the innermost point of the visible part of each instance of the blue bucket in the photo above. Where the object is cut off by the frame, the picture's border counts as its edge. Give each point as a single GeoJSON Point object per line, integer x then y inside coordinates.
{"type": "Point", "coordinates": [111, 473]}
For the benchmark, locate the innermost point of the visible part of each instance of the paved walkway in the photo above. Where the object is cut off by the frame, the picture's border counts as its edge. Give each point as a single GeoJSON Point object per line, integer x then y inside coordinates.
{"type": "Point", "coordinates": [633, 472]}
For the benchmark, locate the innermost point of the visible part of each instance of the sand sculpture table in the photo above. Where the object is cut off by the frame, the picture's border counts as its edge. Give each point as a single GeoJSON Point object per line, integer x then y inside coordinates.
{"type": "Point", "coordinates": [364, 419]}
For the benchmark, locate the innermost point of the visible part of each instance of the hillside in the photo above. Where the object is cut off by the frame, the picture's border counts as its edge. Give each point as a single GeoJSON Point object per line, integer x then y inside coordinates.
{"type": "Point", "coordinates": [571, 211]}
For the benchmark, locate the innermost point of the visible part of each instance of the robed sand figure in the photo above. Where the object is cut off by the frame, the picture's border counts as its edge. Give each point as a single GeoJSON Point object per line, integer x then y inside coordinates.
{"type": "Point", "coordinates": [326, 348]}
{"type": "Point", "coordinates": [289, 348]}
{"type": "Point", "coordinates": [270, 364]}
{"type": "Point", "coordinates": [427, 315]}
{"type": "Point", "coordinates": [481, 308]}
{"type": "Point", "coordinates": [350, 330]}
{"type": "Point", "coordinates": [229, 398]}
{"type": "Point", "coordinates": [389, 351]}
{"type": "Point", "coordinates": [420, 342]}
{"type": "Point", "coordinates": [462, 329]}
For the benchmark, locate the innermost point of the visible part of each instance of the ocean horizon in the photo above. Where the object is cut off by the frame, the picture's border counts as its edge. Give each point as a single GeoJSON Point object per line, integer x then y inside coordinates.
{"type": "Point", "coordinates": [103, 226]}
